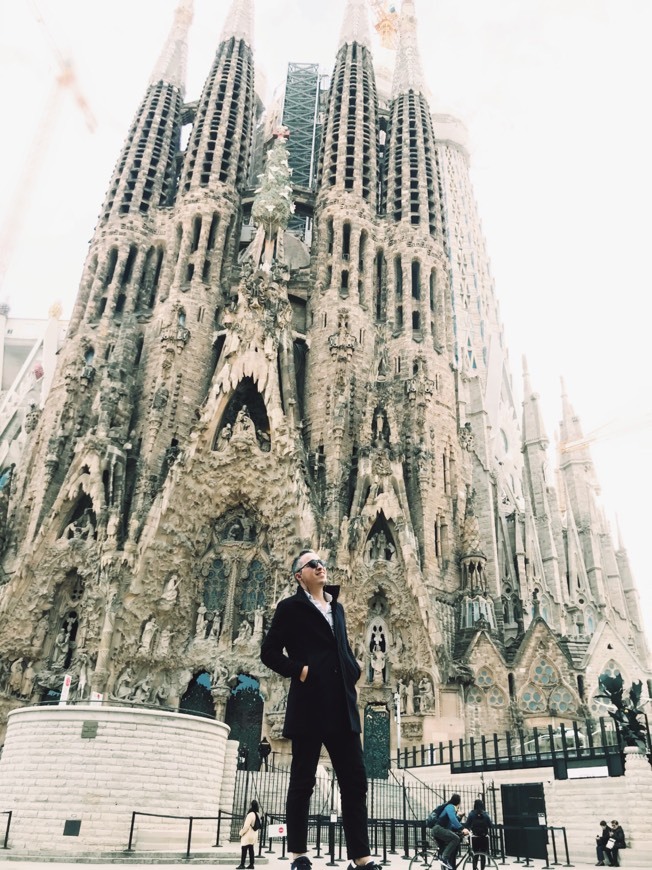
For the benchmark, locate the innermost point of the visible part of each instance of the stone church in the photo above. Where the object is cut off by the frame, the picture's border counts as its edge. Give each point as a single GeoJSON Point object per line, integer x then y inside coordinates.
{"type": "Point", "coordinates": [259, 361]}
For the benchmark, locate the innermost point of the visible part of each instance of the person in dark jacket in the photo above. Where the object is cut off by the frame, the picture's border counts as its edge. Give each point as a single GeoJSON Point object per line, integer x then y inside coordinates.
{"type": "Point", "coordinates": [601, 841]}
{"type": "Point", "coordinates": [478, 822]}
{"type": "Point", "coordinates": [618, 837]}
{"type": "Point", "coordinates": [307, 642]}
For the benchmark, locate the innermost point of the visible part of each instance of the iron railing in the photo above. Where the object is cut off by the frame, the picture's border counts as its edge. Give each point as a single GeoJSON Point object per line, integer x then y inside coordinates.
{"type": "Point", "coordinates": [400, 798]}
{"type": "Point", "coordinates": [583, 742]}
{"type": "Point", "coordinates": [9, 814]}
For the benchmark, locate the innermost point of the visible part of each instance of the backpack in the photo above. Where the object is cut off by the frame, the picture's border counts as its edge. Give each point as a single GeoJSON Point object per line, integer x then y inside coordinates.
{"type": "Point", "coordinates": [480, 825]}
{"type": "Point", "coordinates": [433, 817]}
{"type": "Point", "coordinates": [257, 825]}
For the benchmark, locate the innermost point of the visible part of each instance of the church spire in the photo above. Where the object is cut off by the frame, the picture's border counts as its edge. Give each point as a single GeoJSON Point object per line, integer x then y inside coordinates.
{"type": "Point", "coordinates": [239, 22]}
{"type": "Point", "coordinates": [534, 431]}
{"type": "Point", "coordinates": [408, 72]}
{"type": "Point", "coordinates": [171, 65]}
{"type": "Point", "coordinates": [355, 27]}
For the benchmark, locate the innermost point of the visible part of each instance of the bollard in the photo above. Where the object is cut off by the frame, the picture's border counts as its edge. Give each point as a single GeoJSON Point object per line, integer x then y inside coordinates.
{"type": "Point", "coordinates": [331, 845]}
{"type": "Point", "coordinates": [318, 838]}
{"type": "Point", "coordinates": [568, 863]}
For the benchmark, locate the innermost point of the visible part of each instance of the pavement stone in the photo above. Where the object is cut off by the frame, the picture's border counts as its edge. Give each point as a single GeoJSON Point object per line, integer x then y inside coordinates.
{"type": "Point", "coordinates": [229, 856]}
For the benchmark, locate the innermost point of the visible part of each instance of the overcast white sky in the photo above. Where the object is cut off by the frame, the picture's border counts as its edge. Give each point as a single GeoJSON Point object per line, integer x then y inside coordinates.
{"type": "Point", "coordinates": [556, 97]}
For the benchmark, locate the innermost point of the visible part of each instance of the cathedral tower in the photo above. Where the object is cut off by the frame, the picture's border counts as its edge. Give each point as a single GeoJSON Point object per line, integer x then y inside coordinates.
{"type": "Point", "coordinates": [233, 389]}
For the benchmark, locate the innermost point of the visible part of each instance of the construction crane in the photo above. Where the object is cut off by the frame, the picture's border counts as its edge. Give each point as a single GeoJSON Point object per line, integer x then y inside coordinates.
{"type": "Point", "coordinates": [65, 81]}
{"type": "Point", "coordinates": [386, 23]}
{"type": "Point", "coordinates": [611, 429]}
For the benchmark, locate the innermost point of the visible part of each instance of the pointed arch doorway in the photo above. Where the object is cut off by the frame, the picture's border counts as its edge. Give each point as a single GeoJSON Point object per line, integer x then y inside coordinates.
{"type": "Point", "coordinates": [244, 716]}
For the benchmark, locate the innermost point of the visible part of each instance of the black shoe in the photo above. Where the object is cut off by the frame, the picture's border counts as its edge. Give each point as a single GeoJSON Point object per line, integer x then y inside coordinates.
{"type": "Point", "coordinates": [370, 865]}
{"type": "Point", "coordinates": [303, 862]}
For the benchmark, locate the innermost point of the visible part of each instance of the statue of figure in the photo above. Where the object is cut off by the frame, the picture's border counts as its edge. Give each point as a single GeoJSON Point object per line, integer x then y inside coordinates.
{"type": "Point", "coordinates": [164, 639]}
{"type": "Point", "coordinates": [142, 691]}
{"type": "Point", "coordinates": [409, 698]}
{"type": "Point", "coordinates": [216, 625]}
{"type": "Point", "coordinates": [27, 682]}
{"type": "Point", "coordinates": [161, 694]}
{"type": "Point", "coordinates": [426, 696]}
{"type": "Point", "coordinates": [82, 679]}
{"type": "Point", "coordinates": [220, 675]}
{"type": "Point", "coordinates": [401, 690]}
{"type": "Point", "coordinates": [61, 646]}
{"type": "Point", "coordinates": [243, 422]}
{"type": "Point", "coordinates": [378, 658]}
{"type": "Point", "coordinates": [147, 636]}
{"type": "Point", "coordinates": [201, 624]}
{"type": "Point", "coordinates": [244, 634]}
{"type": "Point", "coordinates": [236, 531]}
{"type": "Point", "coordinates": [122, 688]}
{"type": "Point", "coordinates": [15, 677]}
{"type": "Point", "coordinates": [171, 590]}
{"type": "Point", "coordinates": [257, 634]}
{"type": "Point", "coordinates": [39, 634]}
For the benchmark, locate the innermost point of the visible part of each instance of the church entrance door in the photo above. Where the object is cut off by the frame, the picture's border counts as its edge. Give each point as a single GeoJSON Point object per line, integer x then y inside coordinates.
{"type": "Point", "coordinates": [376, 741]}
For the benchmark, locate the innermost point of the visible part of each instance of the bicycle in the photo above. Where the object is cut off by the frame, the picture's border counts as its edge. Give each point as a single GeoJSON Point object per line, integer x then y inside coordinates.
{"type": "Point", "coordinates": [429, 856]}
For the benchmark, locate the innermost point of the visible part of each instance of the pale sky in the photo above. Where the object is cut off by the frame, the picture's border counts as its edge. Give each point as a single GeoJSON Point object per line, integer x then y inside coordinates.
{"type": "Point", "coordinates": [556, 97]}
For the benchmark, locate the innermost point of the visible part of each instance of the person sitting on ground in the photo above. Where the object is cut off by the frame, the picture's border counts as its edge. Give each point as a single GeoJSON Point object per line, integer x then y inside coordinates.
{"type": "Point", "coordinates": [478, 822]}
{"type": "Point", "coordinates": [615, 842]}
{"type": "Point", "coordinates": [601, 841]}
{"type": "Point", "coordinates": [448, 830]}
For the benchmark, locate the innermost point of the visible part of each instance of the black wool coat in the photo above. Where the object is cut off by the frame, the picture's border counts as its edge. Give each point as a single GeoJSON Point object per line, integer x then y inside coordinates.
{"type": "Point", "coordinates": [300, 635]}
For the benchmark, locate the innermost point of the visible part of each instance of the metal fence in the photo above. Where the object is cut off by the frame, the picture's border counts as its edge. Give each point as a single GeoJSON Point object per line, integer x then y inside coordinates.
{"type": "Point", "coordinates": [560, 747]}
{"type": "Point", "coordinates": [401, 798]}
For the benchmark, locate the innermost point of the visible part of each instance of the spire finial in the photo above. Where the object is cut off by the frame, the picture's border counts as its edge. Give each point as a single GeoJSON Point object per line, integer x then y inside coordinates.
{"type": "Point", "coordinates": [171, 65]}
{"type": "Point", "coordinates": [355, 27]}
{"type": "Point", "coordinates": [408, 73]}
{"type": "Point", "coordinates": [240, 22]}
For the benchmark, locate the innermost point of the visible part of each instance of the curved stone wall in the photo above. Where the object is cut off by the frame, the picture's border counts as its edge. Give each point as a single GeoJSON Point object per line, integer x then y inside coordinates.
{"type": "Point", "coordinates": [88, 767]}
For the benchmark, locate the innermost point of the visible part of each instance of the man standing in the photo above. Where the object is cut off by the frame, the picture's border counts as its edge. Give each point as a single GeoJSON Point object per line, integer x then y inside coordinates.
{"type": "Point", "coordinates": [307, 642]}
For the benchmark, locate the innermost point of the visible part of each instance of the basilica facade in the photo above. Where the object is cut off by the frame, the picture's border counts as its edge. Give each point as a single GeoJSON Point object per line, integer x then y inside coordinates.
{"type": "Point", "coordinates": [255, 365]}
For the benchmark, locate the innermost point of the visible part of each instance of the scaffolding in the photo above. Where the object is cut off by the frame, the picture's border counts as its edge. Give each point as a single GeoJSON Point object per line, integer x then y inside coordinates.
{"type": "Point", "coordinates": [301, 115]}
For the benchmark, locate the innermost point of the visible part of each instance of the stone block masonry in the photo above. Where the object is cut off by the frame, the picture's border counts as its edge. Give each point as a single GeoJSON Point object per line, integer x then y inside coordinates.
{"type": "Point", "coordinates": [53, 771]}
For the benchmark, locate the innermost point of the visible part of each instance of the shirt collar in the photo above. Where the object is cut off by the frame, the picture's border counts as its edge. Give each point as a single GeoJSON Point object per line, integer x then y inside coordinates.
{"type": "Point", "coordinates": [327, 596]}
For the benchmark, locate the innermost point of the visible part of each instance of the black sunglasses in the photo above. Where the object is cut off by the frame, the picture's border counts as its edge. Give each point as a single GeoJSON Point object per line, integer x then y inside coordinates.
{"type": "Point", "coordinates": [313, 563]}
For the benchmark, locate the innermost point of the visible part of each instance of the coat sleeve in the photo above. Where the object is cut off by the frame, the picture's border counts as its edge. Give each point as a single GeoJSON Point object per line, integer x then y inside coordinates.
{"type": "Point", "coordinates": [272, 651]}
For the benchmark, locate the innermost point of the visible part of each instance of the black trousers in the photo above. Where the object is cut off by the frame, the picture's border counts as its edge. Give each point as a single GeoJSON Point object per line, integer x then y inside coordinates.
{"type": "Point", "coordinates": [345, 751]}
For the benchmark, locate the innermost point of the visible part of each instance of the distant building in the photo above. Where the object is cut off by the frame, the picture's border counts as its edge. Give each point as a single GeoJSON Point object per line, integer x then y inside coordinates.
{"type": "Point", "coordinates": [28, 357]}
{"type": "Point", "coordinates": [227, 396]}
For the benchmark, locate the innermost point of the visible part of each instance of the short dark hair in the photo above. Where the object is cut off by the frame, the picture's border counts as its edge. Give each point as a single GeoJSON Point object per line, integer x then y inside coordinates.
{"type": "Point", "coordinates": [603, 823]}
{"type": "Point", "coordinates": [295, 562]}
{"type": "Point", "coordinates": [478, 806]}
{"type": "Point", "coordinates": [454, 799]}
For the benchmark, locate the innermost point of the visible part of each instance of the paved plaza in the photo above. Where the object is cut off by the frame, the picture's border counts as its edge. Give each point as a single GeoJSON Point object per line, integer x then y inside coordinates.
{"type": "Point", "coordinates": [229, 856]}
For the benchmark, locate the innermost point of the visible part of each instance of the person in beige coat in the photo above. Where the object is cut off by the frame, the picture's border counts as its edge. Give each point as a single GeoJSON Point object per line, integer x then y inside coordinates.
{"type": "Point", "coordinates": [249, 835]}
